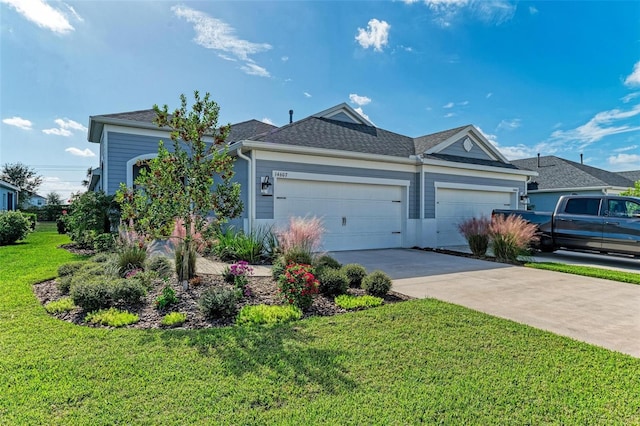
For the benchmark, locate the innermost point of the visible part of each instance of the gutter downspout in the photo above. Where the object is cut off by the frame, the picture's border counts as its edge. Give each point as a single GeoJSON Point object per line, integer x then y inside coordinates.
{"type": "Point", "coordinates": [252, 187]}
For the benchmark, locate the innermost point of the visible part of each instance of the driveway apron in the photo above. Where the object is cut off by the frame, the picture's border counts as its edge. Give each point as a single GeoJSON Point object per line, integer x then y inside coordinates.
{"type": "Point", "coordinates": [601, 312]}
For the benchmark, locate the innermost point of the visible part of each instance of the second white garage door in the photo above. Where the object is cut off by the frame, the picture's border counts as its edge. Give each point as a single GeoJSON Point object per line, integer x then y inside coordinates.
{"type": "Point", "coordinates": [355, 216]}
{"type": "Point", "coordinates": [454, 205]}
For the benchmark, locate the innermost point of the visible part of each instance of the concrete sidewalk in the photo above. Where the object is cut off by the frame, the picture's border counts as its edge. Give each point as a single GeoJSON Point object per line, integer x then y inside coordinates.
{"type": "Point", "coordinates": [601, 312]}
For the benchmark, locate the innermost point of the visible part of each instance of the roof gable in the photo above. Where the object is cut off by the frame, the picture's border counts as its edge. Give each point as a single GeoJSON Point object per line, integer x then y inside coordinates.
{"type": "Point", "coordinates": [469, 136]}
{"type": "Point", "coordinates": [345, 113]}
{"type": "Point", "coordinates": [555, 173]}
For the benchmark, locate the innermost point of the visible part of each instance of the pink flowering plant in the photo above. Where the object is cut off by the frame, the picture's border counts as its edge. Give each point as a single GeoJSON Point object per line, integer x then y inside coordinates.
{"type": "Point", "coordinates": [238, 274]}
{"type": "Point", "coordinates": [297, 285]}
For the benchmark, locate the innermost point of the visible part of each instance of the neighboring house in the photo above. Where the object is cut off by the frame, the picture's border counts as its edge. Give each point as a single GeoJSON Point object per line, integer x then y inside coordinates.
{"type": "Point", "coordinates": [557, 177]}
{"type": "Point", "coordinates": [37, 201]}
{"type": "Point", "coordinates": [632, 175]}
{"type": "Point", "coordinates": [373, 188]}
{"type": "Point", "coordinates": [8, 196]}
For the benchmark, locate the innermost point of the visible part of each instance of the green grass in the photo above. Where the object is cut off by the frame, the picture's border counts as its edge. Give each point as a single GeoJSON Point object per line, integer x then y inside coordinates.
{"type": "Point", "coordinates": [346, 301]}
{"type": "Point", "coordinates": [587, 271]}
{"type": "Point", "coordinates": [112, 317]}
{"type": "Point", "coordinates": [422, 361]}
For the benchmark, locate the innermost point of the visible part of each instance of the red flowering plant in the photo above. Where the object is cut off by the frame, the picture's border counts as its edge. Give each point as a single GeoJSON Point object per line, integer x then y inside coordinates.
{"type": "Point", "coordinates": [297, 285]}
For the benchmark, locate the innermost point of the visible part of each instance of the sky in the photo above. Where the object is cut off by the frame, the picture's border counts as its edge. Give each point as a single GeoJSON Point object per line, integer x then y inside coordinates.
{"type": "Point", "coordinates": [551, 77]}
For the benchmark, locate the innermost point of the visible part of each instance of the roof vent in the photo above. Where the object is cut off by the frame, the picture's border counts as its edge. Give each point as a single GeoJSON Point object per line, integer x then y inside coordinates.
{"type": "Point", "coordinates": [290, 116]}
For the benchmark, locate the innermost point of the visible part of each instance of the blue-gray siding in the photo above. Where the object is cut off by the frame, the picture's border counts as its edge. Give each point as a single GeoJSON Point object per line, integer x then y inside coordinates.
{"type": "Point", "coordinates": [8, 196]}
{"type": "Point", "coordinates": [264, 205]}
{"type": "Point", "coordinates": [457, 149]}
{"type": "Point", "coordinates": [430, 190]}
{"type": "Point", "coordinates": [122, 147]}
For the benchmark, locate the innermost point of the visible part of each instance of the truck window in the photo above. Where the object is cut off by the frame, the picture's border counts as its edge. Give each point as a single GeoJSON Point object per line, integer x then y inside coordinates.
{"type": "Point", "coordinates": [586, 206]}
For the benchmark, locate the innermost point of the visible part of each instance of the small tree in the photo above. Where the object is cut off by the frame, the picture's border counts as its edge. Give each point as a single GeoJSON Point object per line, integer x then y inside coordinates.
{"type": "Point", "coordinates": [179, 183]}
{"type": "Point", "coordinates": [53, 199]}
{"type": "Point", "coordinates": [24, 177]}
{"type": "Point", "coordinates": [633, 192]}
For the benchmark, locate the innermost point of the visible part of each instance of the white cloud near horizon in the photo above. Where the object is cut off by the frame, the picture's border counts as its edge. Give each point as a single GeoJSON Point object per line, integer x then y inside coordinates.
{"type": "Point", "coordinates": [65, 127]}
{"type": "Point", "coordinates": [631, 96]}
{"type": "Point", "coordinates": [515, 152]}
{"type": "Point", "coordinates": [633, 79]}
{"type": "Point", "coordinates": [267, 120]}
{"type": "Point", "coordinates": [57, 132]}
{"type": "Point", "coordinates": [215, 34]}
{"type": "Point", "coordinates": [359, 100]}
{"type": "Point", "coordinates": [493, 12]}
{"type": "Point", "coordinates": [627, 148]}
{"type": "Point", "coordinates": [512, 124]}
{"type": "Point", "coordinates": [361, 112]}
{"type": "Point", "coordinates": [376, 35]}
{"type": "Point", "coordinates": [448, 105]}
{"type": "Point", "coordinates": [631, 161]}
{"type": "Point", "coordinates": [44, 15]}
{"type": "Point", "coordinates": [80, 152]}
{"type": "Point", "coordinates": [19, 122]}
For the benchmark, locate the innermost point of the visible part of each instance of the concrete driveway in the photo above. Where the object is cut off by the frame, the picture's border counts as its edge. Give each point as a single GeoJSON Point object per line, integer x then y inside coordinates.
{"type": "Point", "coordinates": [600, 312]}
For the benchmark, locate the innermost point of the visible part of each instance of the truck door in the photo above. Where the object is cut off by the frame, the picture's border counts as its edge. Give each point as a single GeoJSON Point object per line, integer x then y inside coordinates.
{"type": "Point", "coordinates": [578, 224]}
{"type": "Point", "coordinates": [622, 226]}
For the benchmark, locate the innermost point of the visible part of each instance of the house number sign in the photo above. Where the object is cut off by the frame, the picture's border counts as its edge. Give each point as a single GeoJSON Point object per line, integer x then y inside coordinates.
{"type": "Point", "coordinates": [280, 174]}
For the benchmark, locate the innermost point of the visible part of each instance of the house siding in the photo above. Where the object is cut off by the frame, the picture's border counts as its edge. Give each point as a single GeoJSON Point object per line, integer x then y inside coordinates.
{"type": "Point", "coordinates": [122, 148]}
{"type": "Point", "coordinates": [430, 190]}
{"type": "Point", "coordinates": [4, 198]}
{"type": "Point", "coordinates": [457, 149]}
{"type": "Point", "coordinates": [264, 205]}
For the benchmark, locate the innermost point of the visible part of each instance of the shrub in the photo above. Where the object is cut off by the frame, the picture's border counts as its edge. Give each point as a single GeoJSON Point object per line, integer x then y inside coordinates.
{"type": "Point", "coordinates": [168, 297]}
{"type": "Point", "coordinates": [511, 236]}
{"type": "Point", "coordinates": [237, 274]}
{"type": "Point", "coordinates": [91, 293]}
{"type": "Point", "coordinates": [161, 265]}
{"type": "Point", "coordinates": [267, 314]}
{"type": "Point", "coordinates": [64, 283]}
{"type": "Point", "coordinates": [376, 283]}
{"type": "Point", "coordinates": [61, 225]}
{"type": "Point", "coordinates": [333, 282]}
{"type": "Point", "coordinates": [70, 268]}
{"type": "Point", "coordinates": [355, 273]}
{"type": "Point", "coordinates": [32, 218]}
{"type": "Point", "coordinates": [190, 270]}
{"type": "Point", "coordinates": [77, 272]}
{"type": "Point", "coordinates": [326, 261]}
{"type": "Point", "coordinates": [58, 306]}
{"type": "Point", "coordinates": [128, 291]}
{"type": "Point", "coordinates": [14, 226]}
{"type": "Point", "coordinates": [173, 319]}
{"type": "Point", "coordinates": [301, 239]}
{"type": "Point", "coordinates": [238, 246]}
{"type": "Point", "coordinates": [111, 317]}
{"type": "Point", "coordinates": [297, 285]}
{"type": "Point", "coordinates": [101, 257]}
{"type": "Point", "coordinates": [104, 242]}
{"type": "Point", "coordinates": [476, 232]}
{"type": "Point", "coordinates": [278, 268]}
{"type": "Point", "coordinates": [349, 302]}
{"type": "Point", "coordinates": [90, 214]}
{"type": "Point", "coordinates": [218, 302]}
{"type": "Point", "coordinates": [130, 258]}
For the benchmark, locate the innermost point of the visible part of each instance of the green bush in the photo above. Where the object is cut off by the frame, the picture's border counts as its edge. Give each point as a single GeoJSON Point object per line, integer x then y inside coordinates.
{"type": "Point", "coordinates": [61, 225]}
{"type": "Point", "coordinates": [128, 291]}
{"type": "Point", "coordinates": [349, 302]}
{"type": "Point", "coordinates": [58, 306]}
{"type": "Point", "coordinates": [91, 214]}
{"type": "Point", "coordinates": [376, 283]}
{"type": "Point", "coordinates": [297, 255]}
{"type": "Point", "coordinates": [161, 265]}
{"type": "Point", "coordinates": [70, 268]}
{"type": "Point", "coordinates": [218, 302]}
{"type": "Point", "coordinates": [32, 218]}
{"type": "Point", "coordinates": [184, 275]}
{"type": "Point", "coordinates": [277, 268]}
{"type": "Point", "coordinates": [235, 246]}
{"type": "Point", "coordinates": [130, 258]}
{"type": "Point", "coordinates": [173, 319]}
{"type": "Point", "coordinates": [267, 314]}
{"type": "Point", "coordinates": [14, 226]}
{"type": "Point", "coordinates": [297, 285]}
{"type": "Point", "coordinates": [91, 294]}
{"type": "Point", "coordinates": [167, 298]}
{"type": "Point", "coordinates": [104, 242]}
{"type": "Point", "coordinates": [333, 282]}
{"type": "Point", "coordinates": [111, 317]}
{"type": "Point", "coordinates": [326, 261]}
{"type": "Point", "coordinates": [355, 273]}
{"type": "Point", "coordinates": [77, 272]}
{"type": "Point", "coordinates": [102, 257]}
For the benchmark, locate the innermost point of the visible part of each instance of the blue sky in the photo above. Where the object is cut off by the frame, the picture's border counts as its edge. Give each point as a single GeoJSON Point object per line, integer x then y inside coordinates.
{"type": "Point", "coordinates": [558, 78]}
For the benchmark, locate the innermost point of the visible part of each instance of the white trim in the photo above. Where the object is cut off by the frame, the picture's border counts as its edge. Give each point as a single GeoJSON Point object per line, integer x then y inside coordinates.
{"type": "Point", "coordinates": [104, 143]}
{"type": "Point", "coordinates": [469, 187]}
{"type": "Point", "coordinates": [132, 162]}
{"type": "Point", "coordinates": [278, 174]}
{"type": "Point", "coordinates": [584, 188]}
{"type": "Point", "coordinates": [474, 170]}
{"type": "Point", "coordinates": [347, 110]}
{"type": "Point", "coordinates": [476, 136]}
{"type": "Point", "coordinates": [165, 135]}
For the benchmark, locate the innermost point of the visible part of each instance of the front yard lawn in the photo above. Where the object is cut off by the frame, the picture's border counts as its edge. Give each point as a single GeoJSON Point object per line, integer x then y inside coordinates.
{"type": "Point", "coordinates": [587, 271]}
{"type": "Point", "coordinates": [421, 361]}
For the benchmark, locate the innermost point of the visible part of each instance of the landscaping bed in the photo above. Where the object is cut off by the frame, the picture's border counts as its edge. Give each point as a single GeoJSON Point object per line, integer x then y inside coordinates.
{"type": "Point", "coordinates": [263, 290]}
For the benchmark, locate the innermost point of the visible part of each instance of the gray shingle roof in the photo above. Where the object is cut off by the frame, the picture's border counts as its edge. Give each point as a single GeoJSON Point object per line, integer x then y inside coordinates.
{"type": "Point", "coordinates": [469, 160]}
{"type": "Point", "coordinates": [143, 116]}
{"type": "Point", "coordinates": [423, 143]}
{"type": "Point", "coordinates": [555, 172]}
{"type": "Point", "coordinates": [633, 175]}
{"type": "Point", "coordinates": [324, 133]}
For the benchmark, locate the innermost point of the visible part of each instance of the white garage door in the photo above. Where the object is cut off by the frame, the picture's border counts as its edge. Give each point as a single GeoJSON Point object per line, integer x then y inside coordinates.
{"type": "Point", "coordinates": [355, 216]}
{"type": "Point", "coordinates": [455, 205]}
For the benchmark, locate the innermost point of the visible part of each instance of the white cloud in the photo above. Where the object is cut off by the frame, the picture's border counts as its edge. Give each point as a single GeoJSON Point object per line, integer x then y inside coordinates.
{"type": "Point", "coordinates": [490, 94]}
{"type": "Point", "coordinates": [533, 10]}
{"type": "Point", "coordinates": [630, 161]}
{"type": "Point", "coordinates": [491, 12]}
{"type": "Point", "coordinates": [449, 115]}
{"type": "Point", "coordinates": [267, 120]}
{"type": "Point", "coordinates": [212, 33]}
{"type": "Point", "coordinates": [306, 94]}
{"type": "Point", "coordinates": [43, 15]}
{"type": "Point", "coordinates": [626, 148]}
{"type": "Point", "coordinates": [359, 111]}
{"type": "Point", "coordinates": [463, 103]}
{"type": "Point", "coordinates": [19, 122]}
{"type": "Point", "coordinates": [449, 105]}
{"type": "Point", "coordinates": [630, 97]}
{"type": "Point", "coordinates": [253, 69]}
{"type": "Point", "coordinates": [512, 124]}
{"type": "Point", "coordinates": [74, 13]}
{"type": "Point", "coordinates": [359, 100]}
{"type": "Point", "coordinates": [600, 126]}
{"type": "Point", "coordinates": [633, 79]}
{"type": "Point", "coordinates": [57, 132]}
{"type": "Point", "coordinates": [376, 35]}
{"type": "Point", "coordinates": [510, 152]}
{"type": "Point", "coordinates": [227, 57]}
{"type": "Point", "coordinates": [80, 152]}
{"type": "Point", "coordinates": [284, 58]}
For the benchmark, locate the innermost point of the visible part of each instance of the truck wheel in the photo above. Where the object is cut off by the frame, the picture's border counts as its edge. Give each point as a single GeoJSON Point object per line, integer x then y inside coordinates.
{"type": "Point", "coordinates": [547, 249]}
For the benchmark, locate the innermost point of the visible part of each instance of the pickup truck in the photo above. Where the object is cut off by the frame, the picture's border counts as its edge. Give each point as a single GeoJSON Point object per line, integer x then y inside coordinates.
{"type": "Point", "coordinates": [600, 223]}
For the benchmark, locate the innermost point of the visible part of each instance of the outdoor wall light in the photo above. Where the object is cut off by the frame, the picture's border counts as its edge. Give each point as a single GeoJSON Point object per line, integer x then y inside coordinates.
{"type": "Point", "coordinates": [265, 185]}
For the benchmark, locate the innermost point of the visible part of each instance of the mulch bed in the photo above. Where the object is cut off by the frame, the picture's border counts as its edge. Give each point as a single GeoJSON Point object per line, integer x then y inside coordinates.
{"type": "Point", "coordinates": [263, 291]}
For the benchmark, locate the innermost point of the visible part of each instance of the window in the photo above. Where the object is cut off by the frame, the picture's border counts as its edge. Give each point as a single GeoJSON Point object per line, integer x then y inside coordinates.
{"type": "Point", "coordinates": [585, 206]}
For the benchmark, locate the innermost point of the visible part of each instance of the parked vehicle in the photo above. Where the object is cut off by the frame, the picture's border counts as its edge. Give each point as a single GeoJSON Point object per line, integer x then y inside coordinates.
{"type": "Point", "coordinates": [601, 223]}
